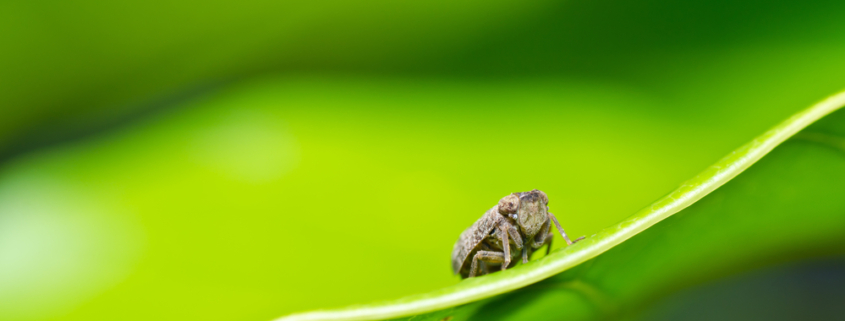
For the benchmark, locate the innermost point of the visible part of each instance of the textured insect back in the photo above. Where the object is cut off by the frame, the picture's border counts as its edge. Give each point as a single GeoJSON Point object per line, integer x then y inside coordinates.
{"type": "Point", "coordinates": [471, 238]}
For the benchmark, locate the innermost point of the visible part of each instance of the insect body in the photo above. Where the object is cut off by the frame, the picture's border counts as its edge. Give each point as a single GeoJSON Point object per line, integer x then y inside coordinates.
{"type": "Point", "coordinates": [519, 224]}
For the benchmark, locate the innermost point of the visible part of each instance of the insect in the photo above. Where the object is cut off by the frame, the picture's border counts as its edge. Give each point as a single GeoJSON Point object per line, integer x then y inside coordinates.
{"type": "Point", "coordinates": [518, 225]}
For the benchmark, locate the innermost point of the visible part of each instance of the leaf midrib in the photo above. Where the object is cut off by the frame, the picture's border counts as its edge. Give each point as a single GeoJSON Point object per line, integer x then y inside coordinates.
{"type": "Point", "coordinates": [560, 260]}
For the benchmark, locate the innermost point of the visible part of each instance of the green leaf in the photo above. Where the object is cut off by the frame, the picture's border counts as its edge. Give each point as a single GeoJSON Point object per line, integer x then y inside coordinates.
{"type": "Point", "coordinates": [244, 196]}
{"type": "Point", "coordinates": [694, 229]}
{"type": "Point", "coordinates": [220, 194]}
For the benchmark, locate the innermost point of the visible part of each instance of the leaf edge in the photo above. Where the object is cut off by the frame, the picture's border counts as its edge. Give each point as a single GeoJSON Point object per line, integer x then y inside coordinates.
{"type": "Point", "coordinates": [558, 261]}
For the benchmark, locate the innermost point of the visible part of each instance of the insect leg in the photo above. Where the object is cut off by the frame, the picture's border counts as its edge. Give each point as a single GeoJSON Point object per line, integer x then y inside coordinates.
{"type": "Point", "coordinates": [549, 238]}
{"type": "Point", "coordinates": [486, 256]}
{"type": "Point", "coordinates": [517, 240]}
{"type": "Point", "coordinates": [514, 234]}
{"type": "Point", "coordinates": [525, 255]}
{"type": "Point", "coordinates": [560, 229]}
{"type": "Point", "coordinates": [506, 246]}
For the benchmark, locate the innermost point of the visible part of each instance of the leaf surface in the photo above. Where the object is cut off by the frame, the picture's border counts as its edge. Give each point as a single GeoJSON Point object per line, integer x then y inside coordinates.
{"type": "Point", "coordinates": [689, 192]}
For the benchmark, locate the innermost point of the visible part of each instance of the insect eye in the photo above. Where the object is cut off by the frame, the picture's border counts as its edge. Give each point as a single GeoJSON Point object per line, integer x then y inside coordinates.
{"type": "Point", "coordinates": [508, 204]}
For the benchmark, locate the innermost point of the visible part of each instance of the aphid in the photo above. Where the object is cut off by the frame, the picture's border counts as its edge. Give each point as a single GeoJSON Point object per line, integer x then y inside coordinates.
{"type": "Point", "coordinates": [495, 241]}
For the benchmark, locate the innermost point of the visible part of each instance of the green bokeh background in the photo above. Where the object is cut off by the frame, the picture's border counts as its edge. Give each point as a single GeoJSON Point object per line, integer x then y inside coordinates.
{"type": "Point", "coordinates": [240, 161]}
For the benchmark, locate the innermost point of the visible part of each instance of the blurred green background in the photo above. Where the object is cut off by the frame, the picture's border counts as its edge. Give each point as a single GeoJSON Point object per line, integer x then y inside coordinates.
{"type": "Point", "coordinates": [243, 160]}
